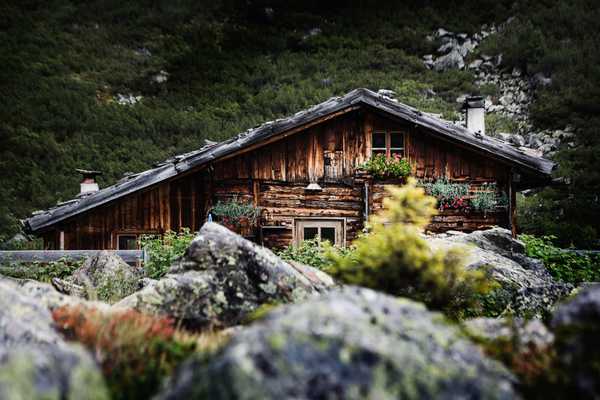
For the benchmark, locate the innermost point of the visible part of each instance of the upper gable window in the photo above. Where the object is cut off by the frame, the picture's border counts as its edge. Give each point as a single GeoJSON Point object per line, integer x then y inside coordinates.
{"type": "Point", "coordinates": [390, 143]}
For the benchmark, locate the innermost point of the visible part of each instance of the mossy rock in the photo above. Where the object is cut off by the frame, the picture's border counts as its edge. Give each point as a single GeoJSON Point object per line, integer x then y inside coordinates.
{"type": "Point", "coordinates": [352, 343]}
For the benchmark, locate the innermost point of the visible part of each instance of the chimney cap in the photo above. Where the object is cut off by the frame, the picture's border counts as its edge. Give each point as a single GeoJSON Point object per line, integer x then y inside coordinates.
{"type": "Point", "coordinates": [473, 102]}
{"type": "Point", "coordinates": [88, 173]}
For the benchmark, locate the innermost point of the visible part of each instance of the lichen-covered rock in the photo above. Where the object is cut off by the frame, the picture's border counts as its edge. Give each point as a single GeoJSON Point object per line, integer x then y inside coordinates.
{"type": "Point", "coordinates": [46, 295]}
{"type": "Point", "coordinates": [351, 343]}
{"type": "Point", "coordinates": [222, 278]}
{"type": "Point", "coordinates": [104, 276]}
{"type": "Point", "coordinates": [527, 288]}
{"type": "Point", "coordinates": [35, 361]}
{"type": "Point", "coordinates": [525, 334]}
{"type": "Point", "coordinates": [576, 326]}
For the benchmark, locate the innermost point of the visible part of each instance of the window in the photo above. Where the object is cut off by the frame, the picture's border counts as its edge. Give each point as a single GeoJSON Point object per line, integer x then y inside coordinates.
{"type": "Point", "coordinates": [130, 239]}
{"type": "Point", "coordinates": [378, 145]}
{"type": "Point", "coordinates": [127, 242]}
{"type": "Point", "coordinates": [390, 143]}
{"type": "Point", "coordinates": [322, 229]}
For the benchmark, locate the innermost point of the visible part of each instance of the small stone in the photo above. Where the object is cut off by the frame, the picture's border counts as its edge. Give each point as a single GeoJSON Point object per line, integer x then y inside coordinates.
{"type": "Point", "coordinates": [475, 64]}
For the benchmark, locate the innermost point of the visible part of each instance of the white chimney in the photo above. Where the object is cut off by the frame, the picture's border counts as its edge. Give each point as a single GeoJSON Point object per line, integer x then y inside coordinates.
{"type": "Point", "coordinates": [88, 183]}
{"type": "Point", "coordinates": [474, 107]}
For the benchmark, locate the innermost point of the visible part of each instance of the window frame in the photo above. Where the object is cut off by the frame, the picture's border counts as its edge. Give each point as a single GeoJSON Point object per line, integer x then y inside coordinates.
{"type": "Point", "coordinates": [388, 143]}
{"type": "Point", "coordinates": [339, 224]}
{"type": "Point", "coordinates": [136, 233]}
{"type": "Point", "coordinates": [120, 235]}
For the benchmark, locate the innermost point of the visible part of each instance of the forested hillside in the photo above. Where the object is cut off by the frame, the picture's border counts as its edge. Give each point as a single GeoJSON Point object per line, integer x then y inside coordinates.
{"type": "Point", "coordinates": [118, 85]}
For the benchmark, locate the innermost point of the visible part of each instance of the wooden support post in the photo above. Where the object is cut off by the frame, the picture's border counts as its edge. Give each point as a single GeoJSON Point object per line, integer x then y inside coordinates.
{"type": "Point", "coordinates": [513, 211]}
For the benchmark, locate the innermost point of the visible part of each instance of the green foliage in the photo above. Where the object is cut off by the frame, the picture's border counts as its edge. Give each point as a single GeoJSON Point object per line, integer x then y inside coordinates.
{"type": "Point", "coordinates": [66, 63]}
{"type": "Point", "coordinates": [115, 288]}
{"type": "Point", "coordinates": [498, 123]}
{"type": "Point", "coordinates": [229, 69]}
{"type": "Point", "coordinates": [43, 272]}
{"type": "Point", "coordinates": [396, 259]}
{"type": "Point", "coordinates": [164, 250]}
{"type": "Point", "coordinates": [567, 266]}
{"type": "Point", "coordinates": [488, 199]}
{"type": "Point", "coordinates": [382, 167]}
{"type": "Point", "coordinates": [448, 195]}
{"type": "Point", "coordinates": [314, 253]}
{"type": "Point", "coordinates": [560, 40]}
{"type": "Point", "coordinates": [235, 211]}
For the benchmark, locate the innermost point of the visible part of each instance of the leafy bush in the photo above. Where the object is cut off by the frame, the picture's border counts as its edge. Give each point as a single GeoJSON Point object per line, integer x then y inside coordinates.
{"type": "Point", "coordinates": [135, 351]}
{"type": "Point", "coordinates": [114, 288]}
{"type": "Point", "coordinates": [396, 259]}
{"type": "Point", "coordinates": [382, 167]}
{"type": "Point", "coordinates": [313, 252]}
{"type": "Point", "coordinates": [43, 272]}
{"type": "Point", "coordinates": [232, 212]}
{"type": "Point", "coordinates": [567, 266]}
{"type": "Point", "coordinates": [164, 250]}
{"type": "Point", "coordinates": [487, 198]}
{"type": "Point", "coordinates": [449, 195]}
{"type": "Point", "coordinates": [498, 123]}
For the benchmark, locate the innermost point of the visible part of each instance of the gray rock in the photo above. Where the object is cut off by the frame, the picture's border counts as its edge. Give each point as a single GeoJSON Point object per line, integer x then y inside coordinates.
{"type": "Point", "coordinates": [527, 288]}
{"type": "Point", "coordinates": [349, 344]}
{"type": "Point", "coordinates": [576, 325]}
{"type": "Point", "coordinates": [475, 64]}
{"type": "Point", "coordinates": [465, 48]}
{"type": "Point", "coordinates": [507, 99]}
{"type": "Point", "coordinates": [47, 296]}
{"type": "Point", "coordinates": [441, 32]}
{"type": "Point", "coordinates": [504, 136]}
{"type": "Point", "coordinates": [517, 140]}
{"type": "Point", "coordinates": [524, 333]}
{"type": "Point", "coordinates": [452, 60]}
{"type": "Point", "coordinates": [35, 361]}
{"type": "Point", "coordinates": [105, 276]}
{"type": "Point", "coordinates": [539, 79]}
{"type": "Point", "coordinates": [222, 279]}
{"type": "Point", "coordinates": [161, 77]}
{"type": "Point", "coordinates": [448, 46]}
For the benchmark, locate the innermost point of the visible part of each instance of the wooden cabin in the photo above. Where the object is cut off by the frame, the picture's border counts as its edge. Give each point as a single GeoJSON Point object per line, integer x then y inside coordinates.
{"type": "Point", "coordinates": [304, 174]}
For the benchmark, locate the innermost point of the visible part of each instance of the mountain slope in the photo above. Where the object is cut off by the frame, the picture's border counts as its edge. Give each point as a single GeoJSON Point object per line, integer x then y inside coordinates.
{"type": "Point", "coordinates": [118, 85]}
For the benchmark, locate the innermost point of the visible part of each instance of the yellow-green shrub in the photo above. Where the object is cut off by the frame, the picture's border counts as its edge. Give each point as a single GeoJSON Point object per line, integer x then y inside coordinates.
{"type": "Point", "coordinates": [396, 259]}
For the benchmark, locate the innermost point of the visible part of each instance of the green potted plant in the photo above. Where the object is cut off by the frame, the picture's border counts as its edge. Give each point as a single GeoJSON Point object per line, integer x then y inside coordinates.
{"type": "Point", "coordinates": [382, 167]}
{"type": "Point", "coordinates": [237, 216]}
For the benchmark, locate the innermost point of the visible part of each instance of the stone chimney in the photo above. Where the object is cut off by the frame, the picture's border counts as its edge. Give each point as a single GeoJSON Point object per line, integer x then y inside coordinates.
{"type": "Point", "coordinates": [88, 183]}
{"type": "Point", "coordinates": [474, 107]}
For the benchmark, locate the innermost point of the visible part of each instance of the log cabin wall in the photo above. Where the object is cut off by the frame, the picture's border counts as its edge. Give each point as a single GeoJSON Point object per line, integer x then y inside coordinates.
{"type": "Point", "coordinates": [274, 178]}
{"type": "Point", "coordinates": [170, 206]}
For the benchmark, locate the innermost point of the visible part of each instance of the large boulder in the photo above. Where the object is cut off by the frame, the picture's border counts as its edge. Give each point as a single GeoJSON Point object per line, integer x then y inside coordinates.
{"type": "Point", "coordinates": [46, 295]}
{"type": "Point", "coordinates": [452, 60]}
{"type": "Point", "coordinates": [527, 288]}
{"type": "Point", "coordinates": [222, 278]}
{"type": "Point", "coordinates": [523, 334]}
{"type": "Point", "coordinates": [104, 276]}
{"type": "Point", "coordinates": [35, 361]}
{"type": "Point", "coordinates": [576, 326]}
{"type": "Point", "coordinates": [351, 343]}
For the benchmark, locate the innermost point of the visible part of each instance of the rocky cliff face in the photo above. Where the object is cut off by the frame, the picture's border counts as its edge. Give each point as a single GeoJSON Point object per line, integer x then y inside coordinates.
{"type": "Point", "coordinates": [514, 91]}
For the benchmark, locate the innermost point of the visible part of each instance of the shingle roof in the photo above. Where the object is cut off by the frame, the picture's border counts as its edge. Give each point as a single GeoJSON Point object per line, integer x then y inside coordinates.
{"type": "Point", "coordinates": [498, 149]}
